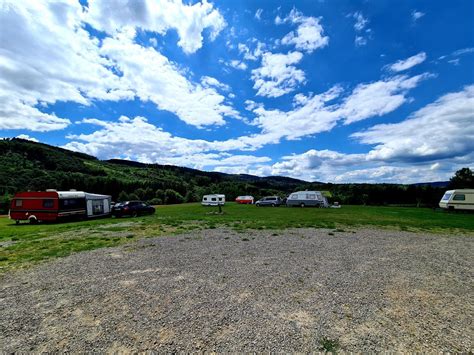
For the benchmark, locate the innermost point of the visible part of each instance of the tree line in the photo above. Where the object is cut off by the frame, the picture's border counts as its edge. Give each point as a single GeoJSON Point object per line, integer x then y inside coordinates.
{"type": "Point", "coordinates": [29, 166]}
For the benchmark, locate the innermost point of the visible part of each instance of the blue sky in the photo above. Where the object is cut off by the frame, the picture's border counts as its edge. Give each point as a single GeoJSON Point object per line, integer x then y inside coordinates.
{"type": "Point", "coordinates": [334, 91]}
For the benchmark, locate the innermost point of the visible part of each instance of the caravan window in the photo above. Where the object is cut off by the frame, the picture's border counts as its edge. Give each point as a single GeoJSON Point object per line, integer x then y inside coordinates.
{"type": "Point", "coordinates": [459, 197]}
{"type": "Point", "coordinates": [220, 198]}
{"type": "Point", "coordinates": [18, 203]}
{"type": "Point", "coordinates": [311, 196]}
{"type": "Point", "coordinates": [293, 196]}
{"type": "Point", "coordinates": [213, 199]}
{"type": "Point", "coordinates": [205, 198]}
{"type": "Point", "coordinates": [71, 203]}
{"type": "Point", "coordinates": [446, 197]}
{"type": "Point", "coordinates": [48, 203]}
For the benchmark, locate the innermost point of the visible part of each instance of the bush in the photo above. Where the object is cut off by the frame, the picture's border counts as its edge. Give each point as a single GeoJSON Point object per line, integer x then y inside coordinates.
{"type": "Point", "coordinates": [171, 196]}
{"type": "Point", "coordinates": [155, 201]}
{"type": "Point", "coordinates": [123, 196]}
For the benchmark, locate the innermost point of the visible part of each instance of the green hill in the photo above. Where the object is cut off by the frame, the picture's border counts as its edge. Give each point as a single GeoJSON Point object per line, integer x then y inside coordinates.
{"type": "Point", "coordinates": [26, 165]}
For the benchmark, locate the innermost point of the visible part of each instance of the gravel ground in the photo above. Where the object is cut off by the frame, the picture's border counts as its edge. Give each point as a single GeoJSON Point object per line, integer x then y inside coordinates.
{"type": "Point", "coordinates": [218, 290]}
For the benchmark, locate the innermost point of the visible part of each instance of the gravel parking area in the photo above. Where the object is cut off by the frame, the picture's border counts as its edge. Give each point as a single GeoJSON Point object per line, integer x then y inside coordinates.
{"type": "Point", "coordinates": [219, 290]}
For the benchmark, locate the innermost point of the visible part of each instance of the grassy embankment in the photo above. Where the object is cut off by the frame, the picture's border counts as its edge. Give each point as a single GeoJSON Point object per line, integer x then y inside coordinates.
{"type": "Point", "coordinates": [26, 244]}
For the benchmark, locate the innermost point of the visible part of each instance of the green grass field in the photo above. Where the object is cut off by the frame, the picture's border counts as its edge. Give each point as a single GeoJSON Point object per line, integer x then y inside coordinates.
{"type": "Point", "coordinates": [23, 245]}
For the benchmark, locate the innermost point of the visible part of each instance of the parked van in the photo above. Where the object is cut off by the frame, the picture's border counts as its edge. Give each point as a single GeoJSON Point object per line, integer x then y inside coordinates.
{"type": "Point", "coordinates": [213, 200]}
{"type": "Point", "coordinates": [462, 199]}
{"type": "Point", "coordinates": [307, 198]}
{"type": "Point", "coordinates": [52, 205]}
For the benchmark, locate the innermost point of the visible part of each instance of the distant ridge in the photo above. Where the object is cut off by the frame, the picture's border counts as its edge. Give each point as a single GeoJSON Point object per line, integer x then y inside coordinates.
{"type": "Point", "coordinates": [433, 184]}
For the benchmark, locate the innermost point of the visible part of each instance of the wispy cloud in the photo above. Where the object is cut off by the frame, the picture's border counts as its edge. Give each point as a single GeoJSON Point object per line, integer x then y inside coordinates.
{"type": "Point", "coordinates": [416, 15]}
{"type": "Point", "coordinates": [408, 63]}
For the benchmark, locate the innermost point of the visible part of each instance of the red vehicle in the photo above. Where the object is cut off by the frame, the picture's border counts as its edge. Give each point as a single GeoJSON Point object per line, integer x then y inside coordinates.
{"type": "Point", "coordinates": [247, 200]}
{"type": "Point", "coordinates": [54, 205]}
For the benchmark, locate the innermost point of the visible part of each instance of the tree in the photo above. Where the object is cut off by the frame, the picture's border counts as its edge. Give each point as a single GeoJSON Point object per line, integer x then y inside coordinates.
{"type": "Point", "coordinates": [123, 196]}
{"type": "Point", "coordinates": [462, 179]}
{"type": "Point", "coordinates": [172, 196]}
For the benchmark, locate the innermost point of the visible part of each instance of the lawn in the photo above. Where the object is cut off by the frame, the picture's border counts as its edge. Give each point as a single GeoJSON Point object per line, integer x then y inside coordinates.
{"type": "Point", "coordinates": [25, 244]}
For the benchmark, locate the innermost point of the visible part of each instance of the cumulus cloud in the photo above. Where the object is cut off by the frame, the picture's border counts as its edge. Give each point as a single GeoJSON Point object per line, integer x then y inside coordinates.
{"type": "Point", "coordinates": [378, 98]}
{"type": "Point", "coordinates": [138, 139]}
{"type": "Point", "coordinates": [158, 16]}
{"type": "Point", "coordinates": [46, 56]}
{"type": "Point", "coordinates": [427, 146]}
{"type": "Point", "coordinates": [440, 130]}
{"type": "Point", "coordinates": [14, 114]}
{"type": "Point", "coordinates": [408, 63]}
{"type": "Point", "coordinates": [277, 74]}
{"type": "Point", "coordinates": [309, 34]}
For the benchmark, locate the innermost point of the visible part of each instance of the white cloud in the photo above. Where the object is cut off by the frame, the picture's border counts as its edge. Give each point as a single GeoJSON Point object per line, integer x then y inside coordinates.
{"type": "Point", "coordinates": [458, 53]}
{"type": "Point", "coordinates": [208, 81]}
{"type": "Point", "coordinates": [47, 56]}
{"type": "Point", "coordinates": [251, 54]}
{"type": "Point", "coordinates": [309, 35]}
{"type": "Point", "coordinates": [16, 115]}
{"type": "Point", "coordinates": [27, 137]}
{"type": "Point", "coordinates": [258, 14]}
{"type": "Point", "coordinates": [138, 139]}
{"type": "Point", "coordinates": [416, 15]}
{"type": "Point", "coordinates": [361, 21]}
{"type": "Point", "coordinates": [463, 51]}
{"type": "Point", "coordinates": [168, 88]}
{"type": "Point", "coordinates": [443, 129]}
{"type": "Point", "coordinates": [335, 167]}
{"type": "Point", "coordinates": [429, 145]}
{"type": "Point", "coordinates": [360, 41]}
{"type": "Point", "coordinates": [189, 21]}
{"type": "Point", "coordinates": [360, 27]}
{"type": "Point", "coordinates": [408, 63]}
{"type": "Point", "coordinates": [378, 98]}
{"type": "Point", "coordinates": [237, 64]}
{"type": "Point", "coordinates": [277, 75]}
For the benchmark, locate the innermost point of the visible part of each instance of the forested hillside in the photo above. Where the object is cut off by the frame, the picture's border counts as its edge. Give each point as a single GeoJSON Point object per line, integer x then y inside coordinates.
{"type": "Point", "coordinates": [26, 165]}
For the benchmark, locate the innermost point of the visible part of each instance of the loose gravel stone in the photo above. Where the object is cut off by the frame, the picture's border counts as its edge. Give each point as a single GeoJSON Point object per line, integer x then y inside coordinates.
{"type": "Point", "coordinates": [372, 290]}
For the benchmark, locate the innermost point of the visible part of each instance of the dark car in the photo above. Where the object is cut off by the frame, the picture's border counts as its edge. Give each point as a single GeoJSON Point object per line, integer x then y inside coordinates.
{"type": "Point", "coordinates": [273, 201]}
{"type": "Point", "coordinates": [132, 208]}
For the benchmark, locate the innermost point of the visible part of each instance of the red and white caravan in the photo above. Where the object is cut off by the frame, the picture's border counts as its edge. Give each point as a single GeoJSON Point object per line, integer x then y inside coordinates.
{"type": "Point", "coordinates": [51, 205]}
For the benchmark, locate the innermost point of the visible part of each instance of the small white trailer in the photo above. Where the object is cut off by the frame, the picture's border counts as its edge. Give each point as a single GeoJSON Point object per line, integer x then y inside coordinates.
{"type": "Point", "coordinates": [460, 199]}
{"type": "Point", "coordinates": [213, 200]}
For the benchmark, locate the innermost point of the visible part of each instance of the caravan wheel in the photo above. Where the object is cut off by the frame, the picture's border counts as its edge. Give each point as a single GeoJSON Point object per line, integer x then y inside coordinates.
{"type": "Point", "coordinates": [302, 205]}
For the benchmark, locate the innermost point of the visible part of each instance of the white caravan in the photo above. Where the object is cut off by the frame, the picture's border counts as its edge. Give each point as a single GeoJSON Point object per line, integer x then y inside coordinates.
{"type": "Point", "coordinates": [213, 200]}
{"type": "Point", "coordinates": [462, 199]}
